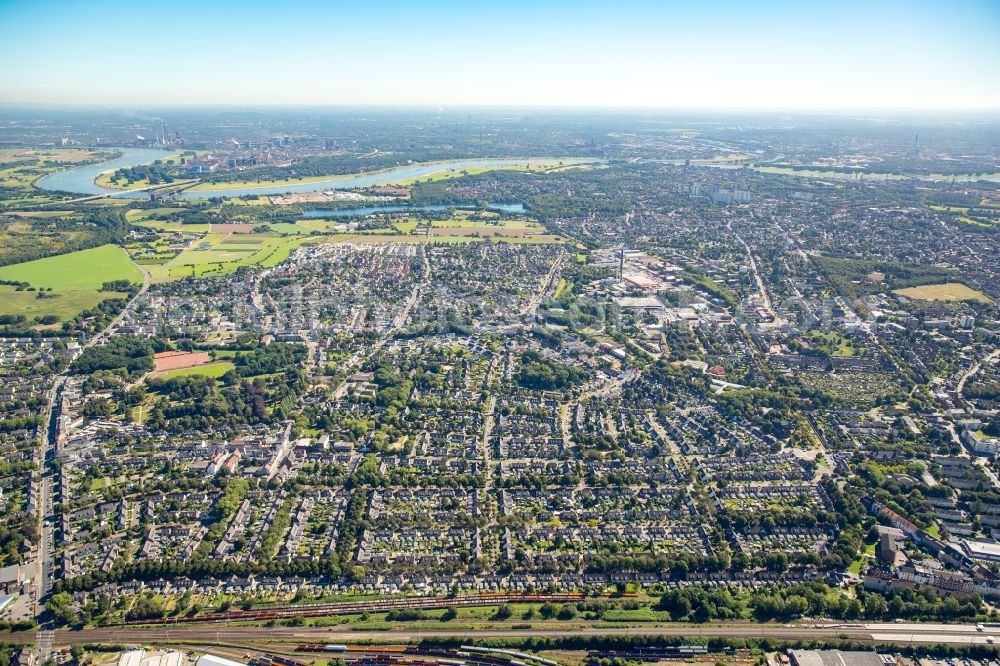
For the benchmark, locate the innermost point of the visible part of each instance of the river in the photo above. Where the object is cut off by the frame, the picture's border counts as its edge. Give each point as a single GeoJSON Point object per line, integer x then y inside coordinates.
{"type": "Point", "coordinates": [81, 179]}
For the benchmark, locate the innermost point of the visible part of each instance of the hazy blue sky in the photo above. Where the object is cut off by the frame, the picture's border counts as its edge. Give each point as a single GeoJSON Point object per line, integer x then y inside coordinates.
{"type": "Point", "coordinates": [725, 54]}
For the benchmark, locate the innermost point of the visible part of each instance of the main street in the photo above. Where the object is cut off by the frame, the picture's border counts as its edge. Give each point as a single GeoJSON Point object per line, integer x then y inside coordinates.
{"type": "Point", "coordinates": [45, 456]}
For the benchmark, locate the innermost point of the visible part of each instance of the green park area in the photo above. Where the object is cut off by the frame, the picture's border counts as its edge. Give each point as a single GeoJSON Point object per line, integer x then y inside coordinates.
{"type": "Point", "coordinates": [949, 291]}
{"type": "Point", "coordinates": [216, 369]}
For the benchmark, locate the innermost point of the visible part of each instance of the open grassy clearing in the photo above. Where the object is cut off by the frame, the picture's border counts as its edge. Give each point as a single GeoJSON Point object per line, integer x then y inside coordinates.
{"type": "Point", "coordinates": [562, 288]}
{"type": "Point", "coordinates": [63, 304]}
{"type": "Point", "coordinates": [74, 278]}
{"type": "Point", "coordinates": [319, 225]}
{"type": "Point", "coordinates": [405, 226]}
{"type": "Point", "coordinates": [255, 201]}
{"type": "Point", "coordinates": [85, 269]}
{"type": "Point", "coordinates": [216, 369]}
{"type": "Point", "coordinates": [137, 214]}
{"type": "Point", "coordinates": [949, 291]}
{"type": "Point", "coordinates": [974, 222]}
{"type": "Point", "coordinates": [291, 228]}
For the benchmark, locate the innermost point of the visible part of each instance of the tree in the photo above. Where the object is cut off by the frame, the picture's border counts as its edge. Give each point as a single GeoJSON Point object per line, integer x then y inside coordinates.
{"type": "Point", "coordinates": [60, 606]}
{"type": "Point", "coordinates": [875, 606]}
{"type": "Point", "coordinates": [503, 612]}
{"type": "Point", "coordinates": [680, 569]}
{"type": "Point", "coordinates": [567, 612]}
{"type": "Point", "coordinates": [776, 562]}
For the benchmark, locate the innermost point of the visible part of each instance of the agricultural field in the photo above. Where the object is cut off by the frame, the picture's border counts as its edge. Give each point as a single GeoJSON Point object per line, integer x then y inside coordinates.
{"type": "Point", "coordinates": [72, 282]}
{"type": "Point", "coordinates": [60, 304]}
{"type": "Point", "coordinates": [138, 214]}
{"type": "Point", "coordinates": [216, 254]}
{"type": "Point", "coordinates": [293, 228]}
{"type": "Point", "coordinates": [985, 215]}
{"type": "Point", "coordinates": [85, 269]}
{"type": "Point", "coordinates": [949, 291]}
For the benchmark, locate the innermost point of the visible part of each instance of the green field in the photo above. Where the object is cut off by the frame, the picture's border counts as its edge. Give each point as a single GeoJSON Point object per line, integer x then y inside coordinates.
{"type": "Point", "coordinates": [75, 279]}
{"type": "Point", "coordinates": [562, 288]}
{"type": "Point", "coordinates": [216, 369]}
{"type": "Point", "coordinates": [405, 226]}
{"type": "Point", "coordinates": [63, 304]}
{"type": "Point", "coordinates": [313, 224]}
{"type": "Point", "coordinates": [291, 228]}
{"type": "Point", "coordinates": [950, 291]}
{"type": "Point", "coordinates": [137, 214]}
{"type": "Point", "coordinates": [85, 269]}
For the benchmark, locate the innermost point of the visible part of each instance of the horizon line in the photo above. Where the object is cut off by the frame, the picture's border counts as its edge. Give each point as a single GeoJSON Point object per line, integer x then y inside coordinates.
{"type": "Point", "coordinates": [443, 108]}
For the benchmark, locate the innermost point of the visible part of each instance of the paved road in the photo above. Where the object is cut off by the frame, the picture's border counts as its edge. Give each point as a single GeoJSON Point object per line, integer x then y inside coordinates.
{"type": "Point", "coordinates": [46, 454]}
{"type": "Point", "coordinates": [547, 284]}
{"type": "Point", "coordinates": [761, 289]}
{"type": "Point", "coordinates": [217, 633]}
{"type": "Point", "coordinates": [974, 369]}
